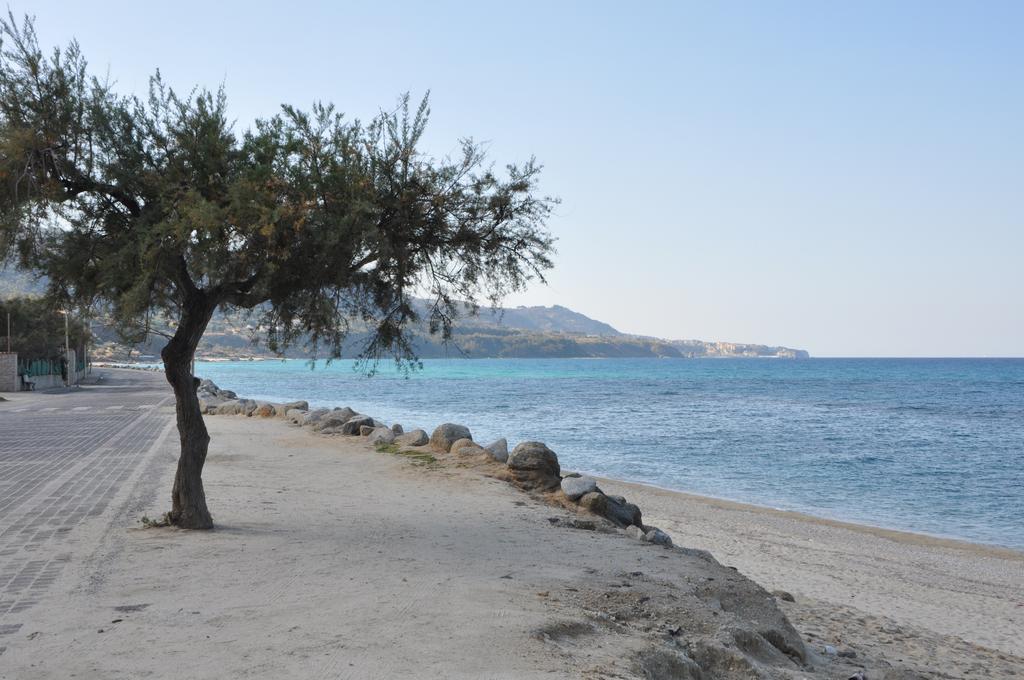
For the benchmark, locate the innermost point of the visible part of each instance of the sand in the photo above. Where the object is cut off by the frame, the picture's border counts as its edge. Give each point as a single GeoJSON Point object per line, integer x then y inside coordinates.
{"type": "Point", "coordinates": [332, 560]}
{"type": "Point", "coordinates": [881, 592]}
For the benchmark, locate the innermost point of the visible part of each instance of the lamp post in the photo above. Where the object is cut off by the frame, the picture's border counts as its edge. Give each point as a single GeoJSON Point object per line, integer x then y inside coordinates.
{"type": "Point", "coordinates": [67, 350]}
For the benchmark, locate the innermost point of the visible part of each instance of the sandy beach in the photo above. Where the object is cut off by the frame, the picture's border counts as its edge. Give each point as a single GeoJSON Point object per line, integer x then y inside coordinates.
{"type": "Point", "coordinates": [875, 590]}
{"type": "Point", "coordinates": [333, 560]}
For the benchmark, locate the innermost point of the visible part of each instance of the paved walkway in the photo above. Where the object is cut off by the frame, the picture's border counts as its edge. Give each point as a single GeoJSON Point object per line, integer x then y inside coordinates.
{"type": "Point", "coordinates": [68, 460]}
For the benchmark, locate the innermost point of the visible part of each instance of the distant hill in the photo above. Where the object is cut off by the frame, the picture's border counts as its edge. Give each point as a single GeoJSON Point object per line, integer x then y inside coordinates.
{"type": "Point", "coordinates": [555, 319]}
{"type": "Point", "coordinates": [519, 332]}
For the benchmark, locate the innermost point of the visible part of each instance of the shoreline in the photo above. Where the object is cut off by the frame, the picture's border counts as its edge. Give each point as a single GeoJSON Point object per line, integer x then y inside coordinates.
{"type": "Point", "coordinates": [902, 535]}
{"type": "Point", "coordinates": [895, 532]}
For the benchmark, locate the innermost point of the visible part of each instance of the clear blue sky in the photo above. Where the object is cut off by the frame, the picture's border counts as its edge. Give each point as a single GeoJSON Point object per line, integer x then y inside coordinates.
{"type": "Point", "coordinates": [842, 177]}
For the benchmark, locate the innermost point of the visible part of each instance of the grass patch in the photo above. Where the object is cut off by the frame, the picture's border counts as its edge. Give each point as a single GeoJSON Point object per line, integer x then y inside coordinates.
{"type": "Point", "coordinates": [417, 457]}
{"type": "Point", "coordinates": [149, 523]}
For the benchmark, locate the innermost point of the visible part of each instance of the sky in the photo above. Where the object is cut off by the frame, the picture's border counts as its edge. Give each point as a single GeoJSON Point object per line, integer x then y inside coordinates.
{"type": "Point", "coordinates": [846, 178]}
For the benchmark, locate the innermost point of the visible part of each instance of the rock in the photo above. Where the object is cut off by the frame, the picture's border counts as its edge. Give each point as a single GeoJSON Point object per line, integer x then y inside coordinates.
{"type": "Point", "coordinates": [381, 435]}
{"type": "Point", "coordinates": [283, 409]}
{"type": "Point", "coordinates": [784, 596]}
{"type": "Point", "coordinates": [365, 430]}
{"type": "Point", "coordinates": [352, 425]}
{"type": "Point", "coordinates": [656, 536]}
{"type": "Point", "coordinates": [248, 407]}
{"type": "Point", "coordinates": [534, 466]}
{"type": "Point", "coordinates": [397, 429]}
{"type": "Point", "coordinates": [618, 499]}
{"type": "Point", "coordinates": [335, 418]}
{"type": "Point", "coordinates": [265, 410]}
{"type": "Point", "coordinates": [574, 487]}
{"type": "Point", "coordinates": [296, 415]}
{"type": "Point", "coordinates": [830, 650]}
{"type": "Point", "coordinates": [414, 438]}
{"type": "Point", "coordinates": [595, 501]}
{"type": "Point", "coordinates": [620, 514]}
{"type": "Point", "coordinates": [227, 408]}
{"type": "Point", "coordinates": [313, 417]}
{"type": "Point", "coordinates": [635, 532]}
{"type": "Point", "coordinates": [498, 449]}
{"type": "Point", "coordinates": [623, 514]}
{"type": "Point", "coordinates": [466, 447]}
{"type": "Point", "coordinates": [447, 434]}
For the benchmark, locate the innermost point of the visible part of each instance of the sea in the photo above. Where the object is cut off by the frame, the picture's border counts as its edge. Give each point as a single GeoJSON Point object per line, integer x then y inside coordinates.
{"type": "Point", "coordinates": [934, 446]}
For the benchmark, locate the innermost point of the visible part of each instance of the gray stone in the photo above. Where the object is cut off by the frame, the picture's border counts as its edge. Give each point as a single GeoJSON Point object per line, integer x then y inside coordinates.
{"type": "Point", "coordinates": [620, 514]}
{"type": "Point", "coordinates": [534, 466]}
{"type": "Point", "coordinates": [623, 514]}
{"type": "Point", "coordinates": [313, 417]}
{"type": "Point", "coordinates": [414, 438]}
{"type": "Point", "coordinates": [296, 415]}
{"type": "Point", "coordinates": [656, 536]}
{"type": "Point", "coordinates": [227, 408]}
{"type": "Point", "coordinates": [447, 434]}
{"type": "Point", "coordinates": [784, 596]}
{"type": "Point", "coordinates": [397, 429]}
{"type": "Point", "coordinates": [635, 532]}
{"type": "Point", "coordinates": [283, 409]}
{"type": "Point", "coordinates": [382, 435]}
{"type": "Point", "coordinates": [352, 425]}
{"type": "Point", "coordinates": [596, 502]}
{"type": "Point", "coordinates": [574, 487]}
{"type": "Point", "coordinates": [498, 449]}
{"type": "Point", "coordinates": [335, 418]}
{"type": "Point", "coordinates": [365, 430]}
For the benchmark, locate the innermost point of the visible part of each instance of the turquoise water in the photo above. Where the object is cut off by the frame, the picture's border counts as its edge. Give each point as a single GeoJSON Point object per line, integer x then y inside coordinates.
{"type": "Point", "coordinates": [927, 445]}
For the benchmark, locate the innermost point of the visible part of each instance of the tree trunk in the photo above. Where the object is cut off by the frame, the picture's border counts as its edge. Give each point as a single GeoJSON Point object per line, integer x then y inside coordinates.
{"type": "Point", "coordinates": [188, 500]}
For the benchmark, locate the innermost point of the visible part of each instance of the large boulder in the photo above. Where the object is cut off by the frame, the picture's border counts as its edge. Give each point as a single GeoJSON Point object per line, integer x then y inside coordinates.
{"type": "Point", "coordinates": [595, 501]}
{"type": "Point", "coordinates": [623, 514]}
{"type": "Point", "coordinates": [413, 438]}
{"type": "Point", "coordinates": [658, 537]}
{"type": "Point", "coordinates": [534, 466]}
{"type": "Point", "coordinates": [381, 435]}
{"type": "Point", "coordinates": [613, 508]}
{"type": "Point", "coordinates": [227, 408]}
{"type": "Point", "coordinates": [352, 425]}
{"type": "Point", "coordinates": [208, 389]}
{"type": "Point", "coordinates": [295, 415]}
{"type": "Point", "coordinates": [397, 428]}
{"type": "Point", "coordinates": [447, 434]}
{"type": "Point", "coordinates": [498, 449]}
{"type": "Point", "coordinates": [335, 419]}
{"type": "Point", "coordinates": [264, 409]}
{"type": "Point", "coordinates": [282, 409]}
{"type": "Point", "coordinates": [466, 447]}
{"type": "Point", "coordinates": [313, 417]}
{"type": "Point", "coordinates": [575, 487]}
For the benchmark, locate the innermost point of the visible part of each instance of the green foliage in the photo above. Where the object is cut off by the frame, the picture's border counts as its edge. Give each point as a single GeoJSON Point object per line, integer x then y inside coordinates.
{"type": "Point", "coordinates": [158, 206]}
{"type": "Point", "coordinates": [417, 457]}
{"type": "Point", "coordinates": [37, 329]}
{"type": "Point", "coordinates": [150, 523]}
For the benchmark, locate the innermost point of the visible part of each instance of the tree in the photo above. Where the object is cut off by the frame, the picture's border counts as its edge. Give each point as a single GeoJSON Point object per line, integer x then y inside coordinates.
{"type": "Point", "coordinates": [157, 205]}
{"type": "Point", "coordinates": [37, 329]}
